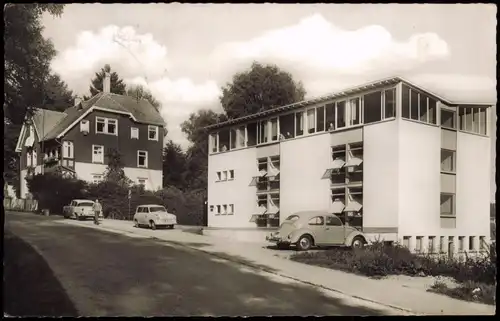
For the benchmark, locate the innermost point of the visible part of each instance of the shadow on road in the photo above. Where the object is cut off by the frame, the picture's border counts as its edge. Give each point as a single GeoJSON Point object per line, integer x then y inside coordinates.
{"type": "Point", "coordinates": [30, 287]}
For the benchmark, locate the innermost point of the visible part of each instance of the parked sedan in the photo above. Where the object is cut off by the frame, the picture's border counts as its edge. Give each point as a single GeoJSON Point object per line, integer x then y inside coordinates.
{"type": "Point", "coordinates": [315, 228]}
{"type": "Point", "coordinates": [154, 216]}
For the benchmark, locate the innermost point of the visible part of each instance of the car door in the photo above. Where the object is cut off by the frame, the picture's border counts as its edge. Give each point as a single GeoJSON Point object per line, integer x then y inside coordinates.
{"type": "Point", "coordinates": [140, 215]}
{"type": "Point", "coordinates": [334, 230]}
{"type": "Point", "coordinates": [316, 225]}
{"type": "Point", "coordinates": [146, 215]}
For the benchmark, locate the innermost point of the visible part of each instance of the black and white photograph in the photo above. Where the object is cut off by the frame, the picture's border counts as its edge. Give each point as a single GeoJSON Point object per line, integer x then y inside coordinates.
{"type": "Point", "coordinates": [242, 160]}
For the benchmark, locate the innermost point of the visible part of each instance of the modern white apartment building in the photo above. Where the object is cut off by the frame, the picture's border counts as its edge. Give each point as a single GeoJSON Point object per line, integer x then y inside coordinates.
{"type": "Point", "coordinates": [397, 161]}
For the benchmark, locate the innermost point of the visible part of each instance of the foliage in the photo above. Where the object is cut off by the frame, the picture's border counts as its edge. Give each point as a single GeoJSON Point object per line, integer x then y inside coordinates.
{"type": "Point", "coordinates": [28, 82]}
{"type": "Point", "coordinates": [117, 86]}
{"type": "Point", "coordinates": [114, 171]}
{"type": "Point", "coordinates": [261, 88]}
{"type": "Point", "coordinates": [467, 291]}
{"type": "Point", "coordinates": [139, 92]}
{"type": "Point", "coordinates": [379, 259]}
{"type": "Point", "coordinates": [62, 190]}
{"type": "Point", "coordinates": [174, 165]}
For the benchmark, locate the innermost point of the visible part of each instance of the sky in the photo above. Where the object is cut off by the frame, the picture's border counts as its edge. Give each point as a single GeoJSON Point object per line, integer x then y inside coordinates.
{"type": "Point", "coordinates": [185, 53]}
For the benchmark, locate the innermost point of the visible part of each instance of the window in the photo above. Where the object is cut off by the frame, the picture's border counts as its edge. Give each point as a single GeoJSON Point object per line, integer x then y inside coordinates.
{"type": "Point", "coordinates": [389, 103]}
{"type": "Point", "coordinates": [106, 126]}
{"type": "Point", "coordinates": [274, 129]}
{"type": "Point", "coordinates": [482, 243]}
{"type": "Point", "coordinates": [211, 208]}
{"type": "Point", "coordinates": [422, 109]}
{"type": "Point", "coordinates": [447, 160]}
{"type": "Point", "coordinates": [287, 123]}
{"type": "Point", "coordinates": [355, 111]}
{"type": "Point", "coordinates": [447, 204]}
{"type": "Point", "coordinates": [475, 120]}
{"type": "Point", "coordinates": [98, 154]}
{"type": "Point", "coordinates": [419, 244]}
{"type": "Point", "coordinates": [373, 107]}
{"type": "Point", "coordinates": [152, 132]}
{"type": "Point", "coordinates": [461, 245]}
{"type": "Point", "coordinates": [462, 118]}
{"type": "Point", "coordinates": [299, 124]}
{"type": "Point", "coordinates": [448, 118]}
{"type": "Point", "coordinates": [405, 100]}
{"type": "Point", "coordinates": [142, 158]}
{"type": "Point", "coordinates": [333, 221]}
{"type": "Point", "coordinates": [142, 181]}
{"type": "Point", "coordinates": [224, 175]}
{"type": "Point", "coordinates": [231, 209]}
{"type": "Point", "coordinates": [240, 136]}
{"type": "Point", "coordinates": [311, 126]}
{"type": "Point", "coordinates": [432, 113]}
{"type": "Point", "coordinates": [317, 220]}
{"type": "Point", "coordinates": [68, 149]}
{"type": "Point", "coordinates": [96, 178]}
{"type": "Point", "coordinates": [414, 102]}
{"type": "Point", "coordinates": [263, 132]}
{"type": "Point", "coordinates": [232, 139]}
{"type": "Point", "coordinates": [219, 176]}
{"type": "Point", "coordinates": [340, 114]}
{"type": "Point", "coordinates": [231, 174]}
{"type": "Point", "coordinates": [251, 134]}
{"type": "Point", "coordinates": [214, 142]}
{"type": "Point", "coordinates": [218, 210]}
{"type": "Point", "coordinates": [224, 209]}
{"type": "Point", "coordinates": [431, 248]}
{"type": "Point", "coordinates": [442, 244]}
{"type": "Point", "coordinates": [330, 116]}
{"type": "Point", "coordinates": [406, 242]}
{"type": "Point", "coordinates": [134, 132]}
{"type": "Point", "coordinates": [482, 121]}
{"type": "Point", "coordinates": [472, 243]}
{"type": "Point", "coordinates": [84, 126]}
{"type": "Point", "coordinates": [29, 159]}
{"type": "Point", "coordinates": [320, 119]}
{"type": "Point", "coordinates": [292, 218]}
{"type": "Point", "coordinates": [223, 140]}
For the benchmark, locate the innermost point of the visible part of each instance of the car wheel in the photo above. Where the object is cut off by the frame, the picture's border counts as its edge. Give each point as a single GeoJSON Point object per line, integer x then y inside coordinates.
{"type": "Point", "coordinates": [78, 218]}
{"type": "Point", "coordinates": [136, 224]}
{"type": "Point", "coordinates": [152, 225]}
{"type": "Point", "coordinates": [305, 243]}
{"type": "Point", "coordinates": [358, 242]}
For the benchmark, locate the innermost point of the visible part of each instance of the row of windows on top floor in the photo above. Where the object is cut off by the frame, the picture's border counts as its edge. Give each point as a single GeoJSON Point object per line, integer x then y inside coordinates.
{"type": "Point", "coordinates": [109, 126]}
{"type": "Point", "coordinates": [363, 109]}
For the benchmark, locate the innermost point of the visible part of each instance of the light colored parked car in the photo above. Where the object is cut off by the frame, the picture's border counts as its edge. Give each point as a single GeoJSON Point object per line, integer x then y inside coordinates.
{"type": "Point", "coordinates": [79, 209]}
{"type": "Point", "coordinates": [154, 216]}
{"type": "Point", "coordinates": [315, 228]}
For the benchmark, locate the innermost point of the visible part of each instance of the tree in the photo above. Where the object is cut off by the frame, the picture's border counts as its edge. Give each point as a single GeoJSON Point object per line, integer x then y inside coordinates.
{"type": "Point", "coordinates": [174, 166]}
{"type": "Point", "coordinates": [258, 89]}
{"type": "Point", "coordinates": [117, 86]}
{"type": "Point", "coordinates": [27, 57]}
{"type": "Point", "coordinates": [197, 153]}
{"type": "Point", "coordinates": [57, 95]}
{"type": "Point", "coordinates": [139, 92]}
{"type": "Point", "coordinates": [114, 171]}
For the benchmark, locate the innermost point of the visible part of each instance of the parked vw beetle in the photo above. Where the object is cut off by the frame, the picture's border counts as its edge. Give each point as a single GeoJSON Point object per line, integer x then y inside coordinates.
{"type": "Point", "coordinates": [315, 228]}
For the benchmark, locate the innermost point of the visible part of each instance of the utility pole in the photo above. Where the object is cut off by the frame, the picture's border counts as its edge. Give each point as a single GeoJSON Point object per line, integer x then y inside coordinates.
{"type": "Point", "coordinates": [129, 196]}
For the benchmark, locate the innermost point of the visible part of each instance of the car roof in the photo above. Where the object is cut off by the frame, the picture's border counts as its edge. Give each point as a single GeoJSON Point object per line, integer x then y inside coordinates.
{"type": "Point", "coordinates": [148, 205]}
{"type": "Point", "coordinates": [83, 201]}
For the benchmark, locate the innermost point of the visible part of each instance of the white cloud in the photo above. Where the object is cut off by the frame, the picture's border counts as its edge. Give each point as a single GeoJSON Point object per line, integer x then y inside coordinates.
{"type": "Point", "coordinates": [317, 44]}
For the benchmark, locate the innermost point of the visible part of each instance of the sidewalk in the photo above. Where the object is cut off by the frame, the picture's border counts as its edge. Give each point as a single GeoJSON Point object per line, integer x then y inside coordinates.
{"type": "Point", "coordinates": [386, 292]}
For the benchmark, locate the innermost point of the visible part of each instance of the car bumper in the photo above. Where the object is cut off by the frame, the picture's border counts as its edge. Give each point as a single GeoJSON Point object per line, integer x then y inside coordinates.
{"type": "Point", "coordinates": [165, 222]}
{"type": "Point", "coordinates": [277, 239]}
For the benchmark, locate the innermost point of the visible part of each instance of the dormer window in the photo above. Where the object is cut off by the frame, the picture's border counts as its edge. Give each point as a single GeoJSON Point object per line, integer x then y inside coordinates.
{"type": "Point", "coordinates": [152, 132]}
{"type": "Point", "coordinates": [134, 132]}
{"type": "Point", "coordinates": [84, 126]}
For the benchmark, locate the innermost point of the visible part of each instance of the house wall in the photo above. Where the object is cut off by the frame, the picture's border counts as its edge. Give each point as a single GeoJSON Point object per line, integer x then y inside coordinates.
{"type": "Point", "coordinates": [237, 191]}
{"type": "Point", "coordinates": [85, 171]}
{"type": "Point", "coordinates": [36, 146]}
{"type": "Point", "coordinates": [303, 162]}
{"type": "Point", "coordinates": [473, 179]}
{"type": "Point", "coordinates": [381, 178]}
{"type": "Point", "coordinates": [128, 147]}
{"type": "Point", "coordinates": [419, 179]}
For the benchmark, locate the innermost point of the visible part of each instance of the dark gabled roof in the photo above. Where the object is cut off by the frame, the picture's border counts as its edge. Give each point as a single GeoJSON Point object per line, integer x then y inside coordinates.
{"type": "Point", "coordinates": [322, 99]}
{"type": "Point", "coordinates": [141, 109]}
{"type": "Point", "coordinates": [45, 120]}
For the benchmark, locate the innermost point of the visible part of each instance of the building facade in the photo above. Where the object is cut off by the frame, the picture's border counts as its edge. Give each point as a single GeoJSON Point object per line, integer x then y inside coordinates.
{"type": "Point", "coordinates": [390, 158]}
{"type": "Point", "coordinates": [77, 142]}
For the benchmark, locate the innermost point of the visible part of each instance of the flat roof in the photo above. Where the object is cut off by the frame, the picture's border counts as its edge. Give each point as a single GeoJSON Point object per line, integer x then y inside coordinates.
{"type": "Point", "coordinates": [341, 93]}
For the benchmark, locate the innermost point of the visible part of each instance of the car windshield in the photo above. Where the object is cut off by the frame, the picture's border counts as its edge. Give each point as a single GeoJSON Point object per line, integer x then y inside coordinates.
{"type": "Point", "coordinates": [157, 209]}
{"type": "Point", "coordinates": [86, 204]}
{"type": "Point", "coordinates": [292, 218]}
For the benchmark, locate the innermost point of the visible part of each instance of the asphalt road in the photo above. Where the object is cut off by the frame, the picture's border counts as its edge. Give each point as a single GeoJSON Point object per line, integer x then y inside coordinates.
{"type": "Point", "coordinates": [56, 269]}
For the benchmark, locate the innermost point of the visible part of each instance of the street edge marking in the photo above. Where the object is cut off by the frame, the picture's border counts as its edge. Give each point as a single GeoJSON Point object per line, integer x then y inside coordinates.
{"type": "Point", "coordinates": [261, 268]}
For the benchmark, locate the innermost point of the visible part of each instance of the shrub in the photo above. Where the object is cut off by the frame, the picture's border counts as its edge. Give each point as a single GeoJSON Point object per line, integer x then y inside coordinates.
{"type": "Point", "coordinates": [469, 291]}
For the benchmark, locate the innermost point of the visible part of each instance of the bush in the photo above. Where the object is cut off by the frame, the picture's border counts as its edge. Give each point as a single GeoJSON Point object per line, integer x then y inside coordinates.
{"type": "Point", "coordinates": [379, 259]}
{"type": "Point", "coordinates": [468, 291]}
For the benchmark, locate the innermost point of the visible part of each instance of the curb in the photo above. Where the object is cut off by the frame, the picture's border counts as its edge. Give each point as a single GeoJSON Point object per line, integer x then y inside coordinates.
{"type": "Point", "coordinates": [256, 267]}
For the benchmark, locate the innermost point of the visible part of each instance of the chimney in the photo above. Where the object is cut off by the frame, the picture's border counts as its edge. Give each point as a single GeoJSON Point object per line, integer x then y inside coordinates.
{"type": "Point", "coordinates": [106, 85]}
{"type": "Point", "coordinates": [77, 100]}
